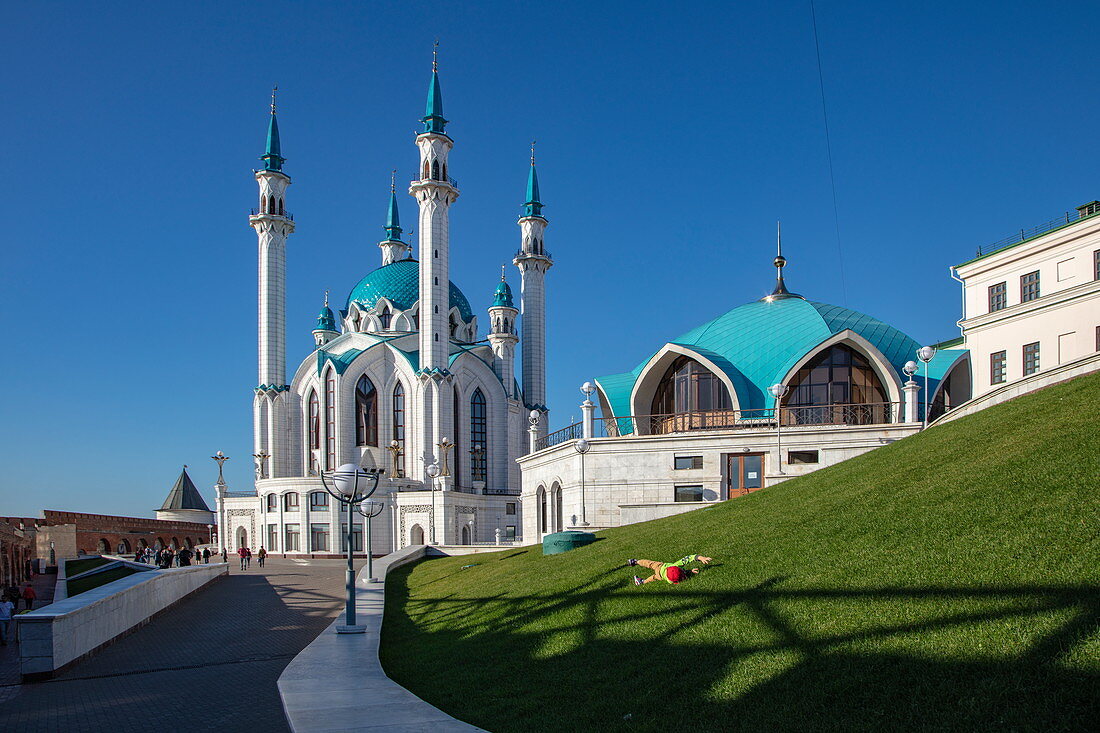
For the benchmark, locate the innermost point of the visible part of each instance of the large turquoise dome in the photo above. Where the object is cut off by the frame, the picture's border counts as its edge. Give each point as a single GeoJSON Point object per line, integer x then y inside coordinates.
{"type": "Point", "coordinates": [399, 282]}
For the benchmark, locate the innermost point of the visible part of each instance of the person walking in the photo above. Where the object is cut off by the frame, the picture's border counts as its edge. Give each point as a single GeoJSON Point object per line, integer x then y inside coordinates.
{"type": "Point", "coordinates": [243, 553]}
{"type": "Point", "coordinates": [206, 555]}
{"type": "Point", "coordinates": [247, 557]}
{"type": "Point", "coordinates": [183, 557]}
{"type": "Point", "coordinates": [671, 572]}
{"type": "Point", "coordinates": [225, 555]}
{"type": "Point", "coordinates": [28, 597]}
{"type": "Point", "coordinates": [261, 555]}
{"type": "Point", "coordinates": [7, 610]}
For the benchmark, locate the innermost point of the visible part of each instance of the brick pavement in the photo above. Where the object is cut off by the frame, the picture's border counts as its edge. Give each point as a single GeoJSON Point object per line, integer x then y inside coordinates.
{"type": "Point", "coordinates": [209, 663]}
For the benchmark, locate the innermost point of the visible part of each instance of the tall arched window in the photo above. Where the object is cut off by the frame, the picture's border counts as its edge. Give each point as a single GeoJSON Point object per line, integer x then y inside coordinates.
{"type": "Point", "coordinates": [456, 465]}
{"type": "Point", "coordinates": [314, 431]}
{"type": "Point", "coordinates": [399, 428]}
{"type": "Point", "coordinates": [478, 436]}
{"type": "Point", "coordinates": [424, 176]}
{"type": "Point", "coordinates": [540, 517]}
{"type": "Point", "coordinates": [839, 375]}
{"type": "Point", "coordinates": [385, 317]}
{"type": "Point", "coordinates": [454, 327]}
{"type": "Point", "coordinates": [688, 386]}
{"type": "Point", "coordinates": [435, 170]}
{"type": "Point", "coordinates": [330, 421]}
{"type": "Point", "coordinates": [281, 209]}
{"type": "Point", "coordinates": [366, 412]}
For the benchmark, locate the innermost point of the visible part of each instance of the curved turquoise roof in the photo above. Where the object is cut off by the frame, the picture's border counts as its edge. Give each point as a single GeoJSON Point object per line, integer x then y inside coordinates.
{"type": "Point", "coordinates": [399, 282]}
{"type": "Point", "coordinates": [503, 295]}
{"type": "Point", "coordinates": [325, 320]}
{"type": "Point", "coordinates": [758, 343]}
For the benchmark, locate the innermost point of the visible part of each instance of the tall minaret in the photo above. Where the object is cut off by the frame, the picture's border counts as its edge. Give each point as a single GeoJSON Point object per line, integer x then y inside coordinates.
{"type": "Point", "coordinates": [393, 248]}
{"type": "Point", "coordinates": [273, 225]}
{"type": "Point", "coordinates": [435, 191]}
{"type": "Point", "coordinates": [502, 335]}
{"type": "Point", "coordinates": [533, 261]}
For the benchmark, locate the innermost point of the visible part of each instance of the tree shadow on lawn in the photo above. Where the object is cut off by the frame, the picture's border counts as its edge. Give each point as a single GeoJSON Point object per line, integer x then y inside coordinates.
{"type": "Point", "coordinates": [567, 660]}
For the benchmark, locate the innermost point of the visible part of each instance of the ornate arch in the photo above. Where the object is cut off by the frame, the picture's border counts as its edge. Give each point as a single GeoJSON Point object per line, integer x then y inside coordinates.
{"type": "Point", "coordinates": [645, 386]}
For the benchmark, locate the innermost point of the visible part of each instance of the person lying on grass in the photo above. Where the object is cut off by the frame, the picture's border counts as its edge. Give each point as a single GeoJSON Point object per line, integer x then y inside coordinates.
{"type": "Point", "coordinates": [673, 572]}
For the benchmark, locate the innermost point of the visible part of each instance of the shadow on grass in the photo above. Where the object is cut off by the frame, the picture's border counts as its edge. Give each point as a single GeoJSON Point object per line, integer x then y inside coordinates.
{"type": "Point", "coordinates": [603, 657]}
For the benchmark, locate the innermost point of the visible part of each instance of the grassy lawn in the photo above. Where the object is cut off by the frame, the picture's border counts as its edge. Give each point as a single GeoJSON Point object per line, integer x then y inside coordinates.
{"type": "Point", "coordinates": [76, 567]}
{"type": "Point", "coordinates": [949, 581]}
{"type": "Point", "coordinates": [81, 585]}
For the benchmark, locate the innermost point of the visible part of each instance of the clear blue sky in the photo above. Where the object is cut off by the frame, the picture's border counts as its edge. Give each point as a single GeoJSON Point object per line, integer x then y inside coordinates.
{"type": "Point", "coordinates": [671, 137]}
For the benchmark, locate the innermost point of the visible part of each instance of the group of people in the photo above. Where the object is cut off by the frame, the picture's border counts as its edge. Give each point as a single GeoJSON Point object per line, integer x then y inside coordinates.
{"type": "Point", "coordinates": [245, 554]}
{"type": "Point", "coordinates": [9, 603]}
{"type": "Point", "coordinates": [167, 557]}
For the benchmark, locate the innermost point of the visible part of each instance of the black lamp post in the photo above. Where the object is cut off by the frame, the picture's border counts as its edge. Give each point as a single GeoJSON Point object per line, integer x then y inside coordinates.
{"type": "Point", "coordinates": [345, 488]}
{"type": "Point", "coordinates": [370, 510]}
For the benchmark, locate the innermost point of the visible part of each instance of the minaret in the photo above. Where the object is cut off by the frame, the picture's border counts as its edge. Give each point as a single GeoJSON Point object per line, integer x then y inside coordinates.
{"type": "Point", "coordinates": [273, 225]}
{"type": "Point", "coordinates": [533, 261]}
{"type": "Point", "coordinates": [435, 191]}
{"type": "Point", "coordinates": [502, 335]}
{"type": "Point", "coordinates": [326, 325]}
{"type": "Point", "coordinates": [393, 248]}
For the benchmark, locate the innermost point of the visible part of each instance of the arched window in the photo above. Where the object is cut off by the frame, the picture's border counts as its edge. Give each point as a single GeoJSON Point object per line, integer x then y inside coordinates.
{"type": "Point", "coordinates": [242, 537]}
{"type": "Point", "coordinates": [290, 502]}
{"type": "Point", "coordinates": [103, 547]}
{"type": "Point", "coordinates": [314, 431]}
{"type": "Point", "coordinates": [272, 502]}
{"type": "Point", "coordinates": [281, 209]}
{"type": "Point", "coordinates": [456, 466]}
{"type": "Point", "coordinates": [435, 170]}
{"type": "Point", "coordinates": [444, 172]}
{"type": "Point", "coordinates": [385, 317]}
{"type": "Point", "coordinates": [424, 176]}
{"type": "Point", "coordinates": [839, 375]}
{"type": "Point", "coordinates": [175, 543]}
{"type": "Point", "coordinates": [399, 428]}
{"type": "Point", "coordinates": [416, 535]}
{"type": "Point", "coordinates": [366, 412]}
{"type": "Point", "coordinates": [465, 535]}
{"type": "Point", "coordinates": [688, 386]}
{"type": "Point", "coordinates": [159, 545]}
{"type": "Point", "coordinates": [142, 543]}
{"type": "Point", "coordinates": [330, 421]}
{"type": "Point", "coordinates": [188, 543]}
{"type": "Point", "coordinates": [559, 514]}
{"type": "Point", "coordinates": [454, 327]}
{"type": "Point", "coordinates": [263, 204]}
{"type": "Point", "coordinates": [478, 436]}
{"type": "Point", "coordinates": [540, 519]}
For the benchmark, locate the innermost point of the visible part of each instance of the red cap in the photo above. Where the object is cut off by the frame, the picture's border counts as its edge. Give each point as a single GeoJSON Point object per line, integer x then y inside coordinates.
{"type": "Point", "coordinates": [675, 574]}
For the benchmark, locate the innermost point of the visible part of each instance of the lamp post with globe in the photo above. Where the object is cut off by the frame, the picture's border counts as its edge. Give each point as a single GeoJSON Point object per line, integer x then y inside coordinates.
{"type": "Point", "coordinates": [926, 354]}
{"type": "Point", "coordinates": [582, 446]}
{"type": "Point", "coordinates": [433, 472]}
{"type": "Point", "coordinates": [348, 485]}
{"type": "Point", "coordinates": [370, 510]}
{"type": "Point", "coordinates": [778, 391]}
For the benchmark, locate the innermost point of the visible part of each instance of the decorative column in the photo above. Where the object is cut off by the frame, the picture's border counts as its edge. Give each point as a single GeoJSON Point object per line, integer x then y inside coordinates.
{"type": "Point", "coordinates": [911, 388]}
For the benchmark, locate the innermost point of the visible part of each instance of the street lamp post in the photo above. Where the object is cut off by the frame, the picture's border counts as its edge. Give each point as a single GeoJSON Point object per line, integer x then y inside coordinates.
{"type": "Point", "coordinates": [433, 473]}
{"type": "Point", "coordinates": [926, 354]}
{"type": "Point", "coordinates": [210, 531]}
{"type": "Point", "coordinates": [582, 446]}
{"type": "Point", "coordinates": [778, 391]}
{"type": "Point", "coordinates": [346, 490]}
{"type": "Point", "coordinates": [370, 510]}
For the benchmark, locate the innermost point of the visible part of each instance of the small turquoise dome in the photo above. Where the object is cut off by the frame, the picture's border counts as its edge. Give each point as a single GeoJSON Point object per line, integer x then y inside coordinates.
{"type": "Point", "coordinates": [325, 320]}
{"type": "Point", "coordinates": [503, 295]}
{"type": "Point", "coordinates": [399, 282]}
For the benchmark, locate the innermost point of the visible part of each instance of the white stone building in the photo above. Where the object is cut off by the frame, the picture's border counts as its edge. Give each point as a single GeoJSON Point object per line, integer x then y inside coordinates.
{"type": "Point", "coordinates": [1033, 303]}
{"type": "Point", "coordinates": [400, 380]}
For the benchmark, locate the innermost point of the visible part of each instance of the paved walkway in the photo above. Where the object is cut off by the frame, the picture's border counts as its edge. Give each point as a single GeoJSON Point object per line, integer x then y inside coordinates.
{"type": "Point", "coordinates": [9, 655]}
{"type": "Point", "coordinates": [209, 663]}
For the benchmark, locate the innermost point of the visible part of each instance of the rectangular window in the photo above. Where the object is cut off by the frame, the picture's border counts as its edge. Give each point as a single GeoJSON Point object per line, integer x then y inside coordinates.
{"type": "Point", "coordinates": [1098, 338]}
{"type": "Point", "coordinates": [318, 537]}
{"type": "Point", "coordinates": [293, 541]}
{"type": "Point", "coordinates": [510, 532]}
{"type": "Point", "coordinates": [356, 537]}
{"type": "Point", "coordinates": [510, 508]}
{"type": "Point", "coordinates": [272, 502]}
{"type": "Point", "coordinates": [290, 502]}
{"type": "Point", "coordinates": [330, 422]}
{"type": "Point", "coordinates": [689, 493]}
{"type": "Point", "coordinates": [681, 463]}
{"type": "Point", "coordinates": [802, 456]}
{"type": "Point", "coordinates": [1029, 286]}
{"type": "Point", "coordinates": [998, 367]}
{"type": "Point", "coordinates": [998, 296]}
{"type": "Point", "coordinates": [1096, 265]}
{"type": "Point", "coordinates": [272, 537]}
{"type": "Point", "coordinates": [1031, 358]}
{"type": "Point", "coordinates": [318, 501]}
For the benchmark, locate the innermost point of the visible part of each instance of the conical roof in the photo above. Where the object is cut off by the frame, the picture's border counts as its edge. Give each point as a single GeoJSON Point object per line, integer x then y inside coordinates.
{"type": "Point", "coordinates": [184, 495]}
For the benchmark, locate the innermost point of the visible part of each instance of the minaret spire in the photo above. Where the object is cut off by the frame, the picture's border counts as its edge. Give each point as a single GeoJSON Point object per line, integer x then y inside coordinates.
{"type": "Point", "coordinates": [780, 262]}
{"type": "Point", "coordinates": [272, 157]}
{"type": "Point", "coordinates": [393, 247]}
{"type": "Point", "coordinates": [532, 207]}
{"type": "Point", "coordinates": [433, 112]}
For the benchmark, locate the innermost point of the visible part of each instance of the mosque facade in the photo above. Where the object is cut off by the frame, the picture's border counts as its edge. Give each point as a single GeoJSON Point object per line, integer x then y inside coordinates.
{"type": "Point", "coordinates": [400, 380]}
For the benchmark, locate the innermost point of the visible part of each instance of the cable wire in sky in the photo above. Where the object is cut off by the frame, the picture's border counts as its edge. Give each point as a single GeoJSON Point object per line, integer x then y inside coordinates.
{"type": "Point", "coordinates": [829, 150]}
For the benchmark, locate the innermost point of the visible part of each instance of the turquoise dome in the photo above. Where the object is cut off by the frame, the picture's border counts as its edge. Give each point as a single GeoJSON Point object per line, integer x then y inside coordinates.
{"type": "Point", "coordinates": [503, 295]}
{"type": "Point", "coordinates": [399, 282]}
{"type": "Point", "coordinates": [325, 320]}
{"type": "Point", "coordinates": [757, 344]}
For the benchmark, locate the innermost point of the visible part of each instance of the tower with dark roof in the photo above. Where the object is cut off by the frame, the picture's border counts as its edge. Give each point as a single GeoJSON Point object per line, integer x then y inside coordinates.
{"type": "Point", "coordinates": [184, 503]}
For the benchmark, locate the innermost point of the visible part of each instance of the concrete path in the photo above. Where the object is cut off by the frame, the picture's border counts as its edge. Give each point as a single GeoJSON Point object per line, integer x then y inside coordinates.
{"type": "Point", "coordinates": [209, 663]}
{"type": "Point", "coordinates": [9, 655]}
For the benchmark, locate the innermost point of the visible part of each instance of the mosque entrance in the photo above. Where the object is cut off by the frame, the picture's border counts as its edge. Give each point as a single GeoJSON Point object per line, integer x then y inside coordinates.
{"type": "Point", "coordinates": [744, 473]}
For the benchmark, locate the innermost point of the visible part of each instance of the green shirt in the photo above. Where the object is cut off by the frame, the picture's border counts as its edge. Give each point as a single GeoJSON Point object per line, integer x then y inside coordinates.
{"type": "Point", "coordinates": [662, 573]}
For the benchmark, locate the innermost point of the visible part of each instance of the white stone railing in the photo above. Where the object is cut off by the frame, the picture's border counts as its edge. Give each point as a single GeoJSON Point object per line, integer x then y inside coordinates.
{"type": "Point", "coordinates": [67, 630]}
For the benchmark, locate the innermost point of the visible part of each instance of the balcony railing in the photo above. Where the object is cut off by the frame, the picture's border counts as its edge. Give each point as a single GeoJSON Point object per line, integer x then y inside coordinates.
{"type": "Point", "coordinates": [1023, 235]}
{"type": "Point", "coordinates": [257, 212]}
{"type": "Point", "coordinates": [878, 413]}
{"type": "Point", "coordinates": [520, 254]}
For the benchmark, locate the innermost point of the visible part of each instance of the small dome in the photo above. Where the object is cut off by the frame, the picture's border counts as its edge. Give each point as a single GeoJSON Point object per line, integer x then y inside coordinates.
{"type": "Point", "coordinates": [325, 320]}
{"type": "Point", "coordinates": [399, 282]}
{"type": "Point", "coordinates": [503, 295]}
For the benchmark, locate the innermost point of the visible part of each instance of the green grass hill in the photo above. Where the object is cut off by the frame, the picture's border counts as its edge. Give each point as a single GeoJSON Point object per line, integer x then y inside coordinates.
{"type": "Point", "coordinates": [949, 581]}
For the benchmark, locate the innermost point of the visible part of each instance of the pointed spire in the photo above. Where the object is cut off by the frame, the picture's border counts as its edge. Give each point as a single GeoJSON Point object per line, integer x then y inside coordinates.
{"type": "Point", "coordinates": [326, 321]}
{"type": "Point", "coordinates": [393, 220]}
{"type": "Point", "coordinates": [272, 157]}
{"type": "Point", "coordinates": [433, 113]}
{"type": "Point", "coordinates": [780, 262]}
{"type": "Point", "coordinates": [533, 206]}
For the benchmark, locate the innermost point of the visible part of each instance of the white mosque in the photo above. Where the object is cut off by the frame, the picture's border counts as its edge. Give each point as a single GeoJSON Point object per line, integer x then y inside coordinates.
{"type": "Point", "coordinates": [399, 380]}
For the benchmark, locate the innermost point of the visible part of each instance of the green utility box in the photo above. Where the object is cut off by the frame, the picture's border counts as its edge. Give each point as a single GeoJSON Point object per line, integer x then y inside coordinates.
{"type": "Point", "coordinates": [554, 544]}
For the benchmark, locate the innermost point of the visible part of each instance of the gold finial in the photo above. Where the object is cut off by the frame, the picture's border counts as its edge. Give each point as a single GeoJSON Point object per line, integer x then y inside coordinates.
{"type": "Point", "coordinates": [435, 56]}
{"type": "Point", "coordinates": [326, 298]}
{"type": "Point", "coordinates": [533, 152]}
{"type": "Point", "coordinates": [274, 89]}
{"type": "Point", "coordinates": [393, 177]}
